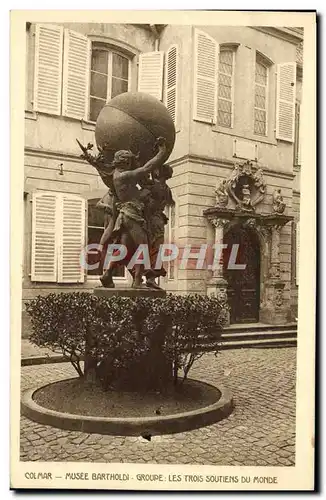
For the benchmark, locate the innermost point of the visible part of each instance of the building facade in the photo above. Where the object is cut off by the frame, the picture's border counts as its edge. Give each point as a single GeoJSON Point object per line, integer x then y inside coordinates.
{"type": "Point", "coordinates": [234, 94]}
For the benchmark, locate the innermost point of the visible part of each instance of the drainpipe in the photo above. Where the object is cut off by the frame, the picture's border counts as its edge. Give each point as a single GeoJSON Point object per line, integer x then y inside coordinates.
{"type": "Point", "coordinates": [157, 36]}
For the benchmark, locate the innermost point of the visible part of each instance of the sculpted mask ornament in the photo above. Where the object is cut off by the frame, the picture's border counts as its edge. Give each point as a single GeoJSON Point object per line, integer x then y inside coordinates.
{"type": "Point", "coordinates": [221, 295]}
{"type": "Point", "coordinates": [219, 223]}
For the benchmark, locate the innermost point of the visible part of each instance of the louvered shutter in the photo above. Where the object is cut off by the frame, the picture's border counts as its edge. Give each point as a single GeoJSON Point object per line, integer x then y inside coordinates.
{"type": "Point", "coordinates": [297, 135]}
{"type": "Point", "coordinates": [72, 239]}
{"type": "Point", "coordinates": [205, 78]}
{"type": "Point", "coordinates": [297, 250]}
{"type": "Point", "coordinates": [150, 73]}
{"type": "Point", "coordinates": [285, 101]}
{"type": "Point", "coordinates": [76, 75]}
{"type": "Point", "coordinates": [48, 68]}
{"type": "Point", "coordinates": [171, 82]}
{"type": "Point", "coordinates": [44, 230]}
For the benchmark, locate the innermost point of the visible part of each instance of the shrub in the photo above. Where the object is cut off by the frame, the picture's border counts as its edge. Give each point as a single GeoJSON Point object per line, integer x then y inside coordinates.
{"type": "Point", "coordinates": [117, 332]}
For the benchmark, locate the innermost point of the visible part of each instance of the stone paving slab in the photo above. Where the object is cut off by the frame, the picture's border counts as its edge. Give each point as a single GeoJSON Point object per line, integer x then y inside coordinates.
{"type": "Point", "coordinates": [260, 431]}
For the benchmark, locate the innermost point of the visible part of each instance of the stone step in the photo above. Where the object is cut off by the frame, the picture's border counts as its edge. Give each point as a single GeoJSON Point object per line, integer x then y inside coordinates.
{"type": "Point", "coordinates": [255, 335]}
{"type": "Point", "coordinates": [273, 342]}
{"type": "Point", "coordinates": [246, 327]}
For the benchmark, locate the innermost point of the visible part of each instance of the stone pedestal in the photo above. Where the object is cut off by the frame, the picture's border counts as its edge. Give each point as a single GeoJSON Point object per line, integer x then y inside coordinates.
{"type": "Point", "coordinates": [274, 311]}
{"type": "Point", "coordinates": [128, 292]}
{"type": "Point", "coordinates": [150, 372]}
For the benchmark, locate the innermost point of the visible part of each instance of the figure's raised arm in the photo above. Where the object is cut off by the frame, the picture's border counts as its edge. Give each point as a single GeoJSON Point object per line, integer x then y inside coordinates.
{"type": "Point", "coordinates": [153, 163]}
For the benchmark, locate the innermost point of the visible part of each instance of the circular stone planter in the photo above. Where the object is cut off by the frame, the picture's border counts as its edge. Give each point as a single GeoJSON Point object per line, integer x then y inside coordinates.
{"type": "Point", "coordinates": [131, 426]}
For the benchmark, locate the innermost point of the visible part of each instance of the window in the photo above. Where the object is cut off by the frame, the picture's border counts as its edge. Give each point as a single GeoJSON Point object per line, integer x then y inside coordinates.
{"type": "Point", "coordinates": [225, 88]}
{"type": "Point", "coordinates": [72, 77]}
{"type": "Point", "coordinates": [261, 98]}
{"type": "Point", "coordinates": [95, 227]}
{"type": "Point", "coordinates": [109, 78]}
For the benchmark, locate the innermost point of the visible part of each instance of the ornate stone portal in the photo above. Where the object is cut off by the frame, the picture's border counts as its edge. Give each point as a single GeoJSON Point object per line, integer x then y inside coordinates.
{"type": "Point", "coordinates": [237, 199]}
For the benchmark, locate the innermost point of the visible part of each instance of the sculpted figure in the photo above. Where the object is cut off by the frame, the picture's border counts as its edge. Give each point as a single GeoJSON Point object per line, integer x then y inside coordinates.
{"type": "Point", "coordinates": [129, 227]}
{"type": "Point", "coordinates": [278, 203]}
{"type": "Point", "coordinates": [259, 180]}
{"type": "Point", "coordinates": [246, 196]}
{"type": "Point", "coordinates": [222, 196]}
{"type": "Point", "coordinates": [235, 175]}
{"type": "Point", "coordinates": [160, 196]}
{"type": "Point", "coordinates": [107, 203]}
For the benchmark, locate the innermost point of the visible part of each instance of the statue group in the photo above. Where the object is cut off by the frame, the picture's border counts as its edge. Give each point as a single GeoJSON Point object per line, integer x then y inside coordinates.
{"type": "Point", "coordinates": [134, 207]}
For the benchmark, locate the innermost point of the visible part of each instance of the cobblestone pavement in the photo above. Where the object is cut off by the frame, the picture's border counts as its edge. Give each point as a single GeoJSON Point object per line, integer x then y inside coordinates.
{"type": "Point", "coordinates": [29, 350]}
{"type": "Point", "coordinates": [260, 431]}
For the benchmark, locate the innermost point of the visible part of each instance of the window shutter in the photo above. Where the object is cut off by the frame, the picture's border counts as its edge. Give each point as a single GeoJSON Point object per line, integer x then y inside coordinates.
{"type": "Point", "coordinates": [76, 75]}
{"type": "Point", "coordinates": [44, 226]}
{"type": "Point", "coordinates": [285, 101]}
{"type": "Point", "coordinates": [205, 78]}
{"type": "Point", "coordinates": [297, 249]}
{"type": "Point", "coordinates": [48, 68]}
{"type": "Point", "coordinates": [72, 239]}
{"type": "Point", "coordinates": [150, 74]}
{"type": "Point", "coordinates": [297, 134]}
{"type": "Point", "coordinates": [171, 82]}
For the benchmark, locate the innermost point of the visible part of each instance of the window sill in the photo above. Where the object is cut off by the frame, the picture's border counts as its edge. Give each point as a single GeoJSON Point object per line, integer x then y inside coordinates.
{"type": "Point", "coordinates": [85, 124]}
{"type": "Point", "coordinates": [88, 125]}
{"type": "Point", "coordinates": [30, 115]}
{"type": "Point", "coordinates": [249, 137]}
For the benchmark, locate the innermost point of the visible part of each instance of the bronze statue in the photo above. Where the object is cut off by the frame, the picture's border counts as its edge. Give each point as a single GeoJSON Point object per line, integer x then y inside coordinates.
{"type": "Point", "coordinates": [107, 203]}
{"type": "Point", "coordinates": [127, 225]}
{"type": "Point", "coordinates": [160, 196]}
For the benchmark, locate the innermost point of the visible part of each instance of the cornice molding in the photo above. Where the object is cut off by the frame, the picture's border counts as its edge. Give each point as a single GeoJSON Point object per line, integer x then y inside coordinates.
{"type": "Point", "coordinates": [282, 33]}
{"type": "Point", "coordinates": [189, 158]}
{"type": "Point", "coordinates": [225, 163]}
{"type": "Point", "coordinates": [54, 155]}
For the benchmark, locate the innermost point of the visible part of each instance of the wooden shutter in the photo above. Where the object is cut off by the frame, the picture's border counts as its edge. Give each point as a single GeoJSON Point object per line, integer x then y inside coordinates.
{"type": "Point", "coordinates": [71, 239]}
{"type": "Point", "coordinates": [285, 101]}
{"type": "Point", "coordinates": [297, 135]}
{"type": "Point", "coordinates": [44, 230]}
{"type": "Point", "coordinates": [150, 73]}
{"type": "Point", "coordinates": [171, 82]}
{"type": "Point", "coordinates": [297, 249]}
{"type": "Point", "coordinates": [48, 68]}
{"type": "Point", "coordinates": [205, 78]}
{"type": "Point", "coordinates": [76, 75]}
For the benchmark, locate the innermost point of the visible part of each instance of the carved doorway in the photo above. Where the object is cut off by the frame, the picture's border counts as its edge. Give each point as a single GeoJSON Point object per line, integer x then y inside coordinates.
{"type": "Point", "coordinates": [243, 284]}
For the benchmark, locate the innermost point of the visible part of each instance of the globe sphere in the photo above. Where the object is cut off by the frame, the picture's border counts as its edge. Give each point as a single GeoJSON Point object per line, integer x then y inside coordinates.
{"type": "Point", "coordinates": [134, 120]}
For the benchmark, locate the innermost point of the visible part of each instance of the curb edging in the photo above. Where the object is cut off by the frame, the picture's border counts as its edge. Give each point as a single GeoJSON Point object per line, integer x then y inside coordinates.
{"type": "Point", "coordinates": [169, 424]}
